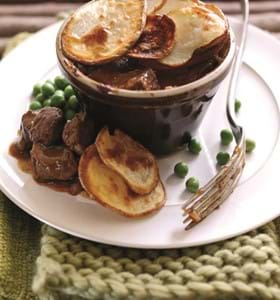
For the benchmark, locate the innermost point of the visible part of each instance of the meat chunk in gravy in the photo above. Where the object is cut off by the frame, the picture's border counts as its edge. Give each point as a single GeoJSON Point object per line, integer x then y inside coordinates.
{"type": "Point", "coordinates": [47, 126]}
{"type": "Point", "coordinates": [143, 81]}
{"type": "Point", "coordinates": [25, 143]}
{"type": "Point", "coordinates": [53, 163]}
{"type": "Point", "coordinates": [139, 79]}
{"type": "Point", "coordinates": [79, 133]}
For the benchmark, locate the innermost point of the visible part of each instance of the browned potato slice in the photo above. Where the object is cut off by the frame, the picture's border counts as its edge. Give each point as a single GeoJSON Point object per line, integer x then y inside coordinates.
{"type": "Point", "coordinates": [103, 30]}
{"type": "Point", "coordinates": [215, 9]}
{"type": "Point", "coordinates": [136, 165]}
{"type": "Point", "coordinates": [196, 26]}
{"type": "Point", "coordinates": [109, 189]}
{"type": "Point", "coordinates": [157, 39]}
{"type": "Point", "coordinates": [154, 5]}
{"type": "Point", "coordinates": [169, 6]}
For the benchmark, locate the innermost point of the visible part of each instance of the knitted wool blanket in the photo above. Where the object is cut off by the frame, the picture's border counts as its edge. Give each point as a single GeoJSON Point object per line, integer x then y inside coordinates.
{"type": "Point", "coordinates": [246, 267]}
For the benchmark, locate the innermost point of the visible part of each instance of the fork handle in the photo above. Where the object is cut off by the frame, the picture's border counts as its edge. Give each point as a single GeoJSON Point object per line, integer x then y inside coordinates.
{"type": "Point", "coordinates": [237, 130]}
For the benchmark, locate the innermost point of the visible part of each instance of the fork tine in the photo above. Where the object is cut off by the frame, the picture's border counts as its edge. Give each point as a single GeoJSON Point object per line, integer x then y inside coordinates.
{"type": "Point", "coordinates": [205, 210]}
{"type": "Point", "coordinates": [218, 180]}
{"type": "Point", "coordinates": [199, 199]}
{"type": "Point", "coordinates": [205, 203]}
{"type": "Point", "coordinates": [190, 223]}
{"type": "Point", "coordinates": [219, 177]}
{"type": "Point", "coordinates": [228, 183]}
{"type": "Point", "coordinates": [221, 186]}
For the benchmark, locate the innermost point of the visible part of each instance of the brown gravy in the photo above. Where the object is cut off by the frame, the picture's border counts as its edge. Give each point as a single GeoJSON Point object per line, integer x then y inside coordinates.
{"type": "Point", "coordinates": [72, 187]}
{"type": "Point", "coordinates": [23, 158]}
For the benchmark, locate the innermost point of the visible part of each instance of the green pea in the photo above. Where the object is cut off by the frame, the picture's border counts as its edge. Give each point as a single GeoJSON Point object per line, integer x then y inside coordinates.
{"type": "Point", "coordinates": [61, 82]}
{"type": "Point", "coordinates": [40, 98]}
{"type": "Point", "coordinates": [181, 169]}
{"type": "Point", "coordinates": [192, 185]}
{"type": "Point", "coordinates": [194, 146]}
{"type": "Point", "coordinates": [58, 99]}
{"type": "Point", "coordinates": [47, 103]}
{"type": "Point", "coordinates": [68, 92]}
{"type": "Point", "coordinates": [226, 137]}
{"type": "Point", "coordinates": [48, 90]}
{"type": "Point", "coordinates": [237, 105]}
{"type": "Point", "coordinates": [250, 145]}
{"type": "Point", "coordinates": [222, 158]}
{"type": "Point", "coordinates": [35, 105]}
{"type": "Point", "coordinates": [36, 90]}
{"type": "Point", "coordinates": [69, 114]}
{"type": "Point", "coordinates": [73, 103]}
{"type": "Point", "coordinates": [50, 82]}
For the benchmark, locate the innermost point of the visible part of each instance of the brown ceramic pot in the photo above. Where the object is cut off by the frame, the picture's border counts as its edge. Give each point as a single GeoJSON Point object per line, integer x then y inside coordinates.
{"type": "Point", "coordinates": [160, 120]}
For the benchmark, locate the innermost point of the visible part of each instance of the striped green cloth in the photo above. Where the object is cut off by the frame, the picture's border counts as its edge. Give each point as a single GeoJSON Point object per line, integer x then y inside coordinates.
{"type": "Point", "coordinates": [19, 246]}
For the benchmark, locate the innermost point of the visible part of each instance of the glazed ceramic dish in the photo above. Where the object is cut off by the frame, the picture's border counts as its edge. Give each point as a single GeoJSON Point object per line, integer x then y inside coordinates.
{"type": "Point", "coordinates": [168, 114]}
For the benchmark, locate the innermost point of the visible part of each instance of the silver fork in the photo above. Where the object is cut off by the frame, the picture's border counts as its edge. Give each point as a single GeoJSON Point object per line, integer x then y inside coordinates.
{"type": "Point", "coordinates": [219, 188]}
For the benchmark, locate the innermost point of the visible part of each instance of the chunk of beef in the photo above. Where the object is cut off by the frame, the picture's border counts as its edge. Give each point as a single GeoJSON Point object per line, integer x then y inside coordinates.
{"type": "Point", "coordinates": [79, 133]}
{"type": "Point", "coordinates": [53, 163]}
{"type": "Point", "coordinates": [47, 126]}
{"type": "Point", "coordinates": [25, 143]}
{"type": "Point", "coordinates": [143, 81]}
{"type": "Point", "coordinates": [139, 79]}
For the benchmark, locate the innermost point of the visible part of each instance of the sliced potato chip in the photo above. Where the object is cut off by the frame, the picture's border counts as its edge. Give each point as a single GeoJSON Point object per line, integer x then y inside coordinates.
{"type": "Point", "coordinates": [213, 51]}
{"type": "Point", "coordinates": [169, 6]}
{"type": "Point", "coordinates": [109, 189]}
{"type": "Point", "coordinates": [131, 160]}
{"type": "Point", "coordinates": [157, 39]}
{"type": "Point", "coordinates": [103, 30]}
{"type": "Point", "coordinates": [215, 9]}
{"type": "Point", "coordinates": [196, 27]}
{"type": "Point", "coordinates": [154, 5]}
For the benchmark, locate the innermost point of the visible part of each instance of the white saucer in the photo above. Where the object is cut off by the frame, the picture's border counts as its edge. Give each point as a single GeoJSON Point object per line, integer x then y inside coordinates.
{"type": "Point", "coordinates": [253, 203]}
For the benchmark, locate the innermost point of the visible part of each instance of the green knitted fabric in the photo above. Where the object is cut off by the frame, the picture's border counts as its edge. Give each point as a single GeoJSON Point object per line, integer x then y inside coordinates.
{"type": "Point", "coordinates": [19, 246]}
{"type": "Point", "coordinates": [246, 267]}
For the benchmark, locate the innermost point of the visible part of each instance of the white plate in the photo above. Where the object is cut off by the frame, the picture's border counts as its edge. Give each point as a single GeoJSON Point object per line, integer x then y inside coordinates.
{"type": "Point", "coordinates": [253, 203]}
